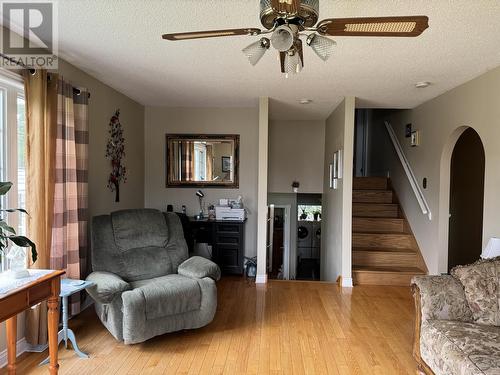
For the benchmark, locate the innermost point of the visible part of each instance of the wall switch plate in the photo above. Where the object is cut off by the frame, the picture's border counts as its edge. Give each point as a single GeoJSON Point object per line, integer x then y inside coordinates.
{"type": "Point", "coordinates": [415, 138]}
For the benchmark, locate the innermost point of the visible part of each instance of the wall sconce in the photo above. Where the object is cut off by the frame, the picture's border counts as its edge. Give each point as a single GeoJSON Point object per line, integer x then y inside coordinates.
{"type": "Point", "coordinates": [295, 186]}
{"type": "Point", "coordinates": [336, 170]}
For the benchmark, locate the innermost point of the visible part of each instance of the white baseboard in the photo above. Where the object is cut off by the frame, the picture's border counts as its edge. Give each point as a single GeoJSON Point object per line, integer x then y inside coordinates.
{"type": "Point", "coordinates": [21, 347]}
{"type": "Point", "coordinates": [347, 282]}
{"type": "Point", "coordinates": [261, 279]}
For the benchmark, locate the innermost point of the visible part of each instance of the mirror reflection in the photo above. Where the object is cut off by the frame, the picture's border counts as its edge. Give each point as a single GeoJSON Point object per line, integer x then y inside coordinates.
{"type": "Point", "coordinates": [202, 160]}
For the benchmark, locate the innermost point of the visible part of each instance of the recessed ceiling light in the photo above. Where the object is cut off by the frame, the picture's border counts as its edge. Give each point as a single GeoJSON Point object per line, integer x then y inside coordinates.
{"type": "Point", "coordinates": [305, 101]}
{"type": "Point", "coordinates": [422, 85]}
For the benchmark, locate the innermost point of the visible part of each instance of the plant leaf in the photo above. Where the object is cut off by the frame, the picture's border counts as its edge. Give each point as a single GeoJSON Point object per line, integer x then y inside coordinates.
{"type": "Point", "coordinates": [23, 241]}
{"type": "Point", "coordinates": [15, 210]}
{"type": "Point", "coordinates": [5, 187]}
{"type": "Point", "coordinates": [6, 227]}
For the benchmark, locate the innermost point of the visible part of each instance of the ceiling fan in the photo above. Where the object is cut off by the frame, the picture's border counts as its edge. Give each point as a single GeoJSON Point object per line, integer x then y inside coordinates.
{"type": "Point", "coordinates": [286, 20]}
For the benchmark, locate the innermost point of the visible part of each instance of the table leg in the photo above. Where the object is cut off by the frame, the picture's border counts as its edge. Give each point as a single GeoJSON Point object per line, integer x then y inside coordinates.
{"type": "Point", "coordinates": [65, 320]}
{"type": "Point", "coordinates": [11, 327]}
{"type": "Point", "coordinates": [53, 323]}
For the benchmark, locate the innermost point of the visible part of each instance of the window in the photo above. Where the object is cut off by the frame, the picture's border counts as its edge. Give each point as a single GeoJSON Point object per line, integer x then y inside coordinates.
{"type": "Point", "coordinates": [307, 212]}
{"type": "Point", "coordinates": [13, 149]}
{"type": "Point", "coordinates": [200, 161]}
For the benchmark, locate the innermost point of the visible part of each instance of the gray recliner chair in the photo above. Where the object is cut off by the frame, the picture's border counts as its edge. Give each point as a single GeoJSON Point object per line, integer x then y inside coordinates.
{"type": "Point", "coordinates": [145, 283]}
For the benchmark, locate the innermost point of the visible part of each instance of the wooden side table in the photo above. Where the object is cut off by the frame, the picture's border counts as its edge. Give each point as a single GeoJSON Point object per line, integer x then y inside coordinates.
{"type": "Point", "coordinates": [18, 299]}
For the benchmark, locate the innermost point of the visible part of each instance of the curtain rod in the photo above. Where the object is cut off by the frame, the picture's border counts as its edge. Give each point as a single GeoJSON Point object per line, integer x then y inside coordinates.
{"type": "Point", "coordinates": [33, 71]}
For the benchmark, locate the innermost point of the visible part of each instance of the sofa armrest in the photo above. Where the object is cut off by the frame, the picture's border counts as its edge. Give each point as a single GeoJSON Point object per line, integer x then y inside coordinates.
{"type": "Point", "coordinates": [441, 297]}
{"type": "Point", "coordinates": [198, 267]}
{"type": "Point", "coordinates": [107, 286]}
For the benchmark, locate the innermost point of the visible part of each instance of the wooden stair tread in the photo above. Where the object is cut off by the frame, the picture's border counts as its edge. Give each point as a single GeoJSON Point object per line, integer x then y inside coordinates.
{"type": "Point", "coordinates": [376, 232]}
{"type": "Point", "coordinates": [399, 270]}
{"type": "Point", "coordinates": [370, 183]}
{"type": "Point", "coordinates": [385, 250]}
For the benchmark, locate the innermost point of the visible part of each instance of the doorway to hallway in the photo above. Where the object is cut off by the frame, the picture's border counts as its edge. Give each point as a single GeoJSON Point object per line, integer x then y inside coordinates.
{"type": "Point", "coordinates": [465, 236]}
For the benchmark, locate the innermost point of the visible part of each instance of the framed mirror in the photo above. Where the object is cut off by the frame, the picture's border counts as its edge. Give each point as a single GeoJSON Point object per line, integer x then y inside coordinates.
{"type": "Point", "coordinates": [196, 160]}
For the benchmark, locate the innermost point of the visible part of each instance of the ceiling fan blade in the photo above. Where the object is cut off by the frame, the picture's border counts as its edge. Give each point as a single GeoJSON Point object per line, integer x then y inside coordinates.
{"type": "Point", "coordinates": [211, 34]}
{"type": "Point", "coordinates": [408, 26]}
{"type": "Point", "coordinates": [286, 6]}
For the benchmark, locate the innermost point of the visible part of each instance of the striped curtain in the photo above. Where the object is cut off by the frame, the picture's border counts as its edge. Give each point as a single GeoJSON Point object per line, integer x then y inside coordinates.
{"type": "Point", "coordinates": [69, 229]}
{"type": "Point", "coordinates": [187, 161]}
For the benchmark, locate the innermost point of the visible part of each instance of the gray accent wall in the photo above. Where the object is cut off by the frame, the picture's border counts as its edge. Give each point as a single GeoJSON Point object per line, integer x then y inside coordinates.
{"type": "Point", "coordinates": [296, 153]}
{"type": "Point", "coordinates": [160, 121]}
{"type": "Point", "coordinates": [336, 223]}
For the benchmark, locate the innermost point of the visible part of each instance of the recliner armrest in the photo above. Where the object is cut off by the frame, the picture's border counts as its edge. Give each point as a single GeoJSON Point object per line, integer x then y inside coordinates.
{"type": "Point", "coordinates": [107, 286]}
{"type": "Point", "coordinates": [198, 267]}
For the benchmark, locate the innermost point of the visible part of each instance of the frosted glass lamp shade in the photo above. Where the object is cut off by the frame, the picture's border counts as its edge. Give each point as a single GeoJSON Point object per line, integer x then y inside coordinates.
{"type": "Point", "coordinates": [293, 63]}
{"type": "Point", "coordinates": [492, 249]}
{"type": "Point", "coordinates": [255, 51]}
{"type": "Point", "coordinates": [321, 45]}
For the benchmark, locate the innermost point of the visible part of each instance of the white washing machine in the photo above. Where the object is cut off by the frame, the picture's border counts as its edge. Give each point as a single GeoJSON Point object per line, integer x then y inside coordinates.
{"type": "Point", "coordinates": [304, 234]}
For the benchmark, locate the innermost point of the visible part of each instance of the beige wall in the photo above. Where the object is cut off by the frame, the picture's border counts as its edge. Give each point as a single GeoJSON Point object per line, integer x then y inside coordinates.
{"type": "Point", "coordinates": [160, 121]}
{"type": "Point", "coordinates": [102, 104]}
{"type": "Point", "coordinates": [296, 153]}
{"type": "Point", "coordinates": [440, 121]}
{"type": "Point", "coordinates": [336, 221]}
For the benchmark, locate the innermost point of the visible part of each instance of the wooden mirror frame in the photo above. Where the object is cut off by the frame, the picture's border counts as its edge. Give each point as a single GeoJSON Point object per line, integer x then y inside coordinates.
{"type": "Point", "coordinates": [171, 183]}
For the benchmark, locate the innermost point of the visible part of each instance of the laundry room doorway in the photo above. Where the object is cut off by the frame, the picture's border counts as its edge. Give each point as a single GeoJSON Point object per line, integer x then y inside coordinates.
{"type": "Point", "coordinates": [308, 236]}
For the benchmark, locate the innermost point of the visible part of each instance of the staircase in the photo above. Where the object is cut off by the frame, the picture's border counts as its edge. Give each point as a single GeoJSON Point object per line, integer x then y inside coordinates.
{"type": "Point", "coordinates": [384, 250]}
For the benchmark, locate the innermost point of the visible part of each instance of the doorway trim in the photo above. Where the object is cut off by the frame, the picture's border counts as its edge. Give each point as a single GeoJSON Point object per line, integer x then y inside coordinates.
{"type": "Point", "coordinates": [444, 196]}
{"type": "Point", "coordinates": [286, 239]}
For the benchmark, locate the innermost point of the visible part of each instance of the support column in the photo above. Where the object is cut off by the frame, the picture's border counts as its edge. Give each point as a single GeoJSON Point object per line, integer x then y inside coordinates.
{"type": "Point", "coordinates": [262, 191]}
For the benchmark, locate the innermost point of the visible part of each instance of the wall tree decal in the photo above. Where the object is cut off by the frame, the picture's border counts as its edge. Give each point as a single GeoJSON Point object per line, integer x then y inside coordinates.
{"type": "Point", "coordinates": [115, 151]}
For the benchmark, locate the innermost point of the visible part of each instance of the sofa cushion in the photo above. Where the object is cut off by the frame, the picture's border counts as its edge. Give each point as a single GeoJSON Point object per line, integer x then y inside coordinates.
{"type": "Point", "coordinates": [481, 281]}
{"type": "Point", "coordinates": [169, 295]}
{"type": "Point", "coordinates": [459, 348]}
{"type": "Point", "coordinates": [139, 228]}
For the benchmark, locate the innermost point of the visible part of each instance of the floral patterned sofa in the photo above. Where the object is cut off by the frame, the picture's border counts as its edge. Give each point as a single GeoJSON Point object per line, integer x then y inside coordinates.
{"type": "Point", "coordinates": [457, 330]}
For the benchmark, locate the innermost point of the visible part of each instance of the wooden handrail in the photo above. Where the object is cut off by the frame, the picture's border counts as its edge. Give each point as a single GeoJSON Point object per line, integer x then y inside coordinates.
{"type": "Point", "coordinates": [419, 195]}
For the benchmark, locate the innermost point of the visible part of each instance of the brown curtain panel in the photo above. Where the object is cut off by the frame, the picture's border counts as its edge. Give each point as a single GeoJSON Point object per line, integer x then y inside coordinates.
{"type": "Point", "coordinates": [69, 229]}
{"type": "Point", "coordinates": [187, 161]}
{"type": "Point", "coordinates": [41, 114]}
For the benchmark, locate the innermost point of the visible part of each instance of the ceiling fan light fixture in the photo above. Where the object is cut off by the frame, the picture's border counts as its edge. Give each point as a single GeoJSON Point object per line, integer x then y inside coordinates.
{"type": "Point", "coordinates": [283, 37]}
{"type": "Point", "coordinates": [255, 51]}
{"type": "Point", "coordinates": [321, 45]}
{"type": "Point", "coordinates": [293, 63]}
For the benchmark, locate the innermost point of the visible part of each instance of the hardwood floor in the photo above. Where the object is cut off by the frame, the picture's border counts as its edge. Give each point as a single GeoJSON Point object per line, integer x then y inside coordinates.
{"type": "Point", "coordinates": [285, 328]}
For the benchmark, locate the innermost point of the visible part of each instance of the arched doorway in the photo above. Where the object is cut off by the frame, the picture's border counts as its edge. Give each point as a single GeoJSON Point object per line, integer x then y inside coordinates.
{"type": "Point", "coordinates": [465, 235]}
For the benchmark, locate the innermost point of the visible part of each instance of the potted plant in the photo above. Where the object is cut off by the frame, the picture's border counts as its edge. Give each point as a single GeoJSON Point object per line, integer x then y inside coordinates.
{"type": "Point", "coordinates": [317, 215]}
{"type": "Point", "coordinates": [7, 233]}
{"type": "Point", "coordinates": [303, 216]}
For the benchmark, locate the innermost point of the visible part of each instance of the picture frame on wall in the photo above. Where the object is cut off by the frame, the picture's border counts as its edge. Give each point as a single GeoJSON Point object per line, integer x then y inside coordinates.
{"type": "Point", "coordinates": [226, 164]}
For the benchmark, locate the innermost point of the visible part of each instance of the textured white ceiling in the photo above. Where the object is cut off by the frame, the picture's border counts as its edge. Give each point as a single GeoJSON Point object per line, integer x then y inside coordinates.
{"type": "Point", "coordinates": [119, 42]}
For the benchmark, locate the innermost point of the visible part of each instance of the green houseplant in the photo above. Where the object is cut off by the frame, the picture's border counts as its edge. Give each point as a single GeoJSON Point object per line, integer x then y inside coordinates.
{"type": "Point", "coordinates": [7, 233]}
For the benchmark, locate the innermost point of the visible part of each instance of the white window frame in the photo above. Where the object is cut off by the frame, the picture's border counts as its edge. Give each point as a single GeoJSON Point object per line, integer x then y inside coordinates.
{"type": "Point", "coordinates": [13, 87]}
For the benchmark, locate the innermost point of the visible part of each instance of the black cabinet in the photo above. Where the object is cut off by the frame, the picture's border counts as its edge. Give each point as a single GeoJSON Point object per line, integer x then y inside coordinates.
{"type": "Point", "coordinates": [227, 239]}
{"type": "Point", "coordinates": [228, 246]}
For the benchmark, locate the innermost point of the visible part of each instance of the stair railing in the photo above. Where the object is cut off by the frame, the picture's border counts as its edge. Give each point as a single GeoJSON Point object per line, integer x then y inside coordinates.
{"type": "Point", "coordinates": [424, 206]}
